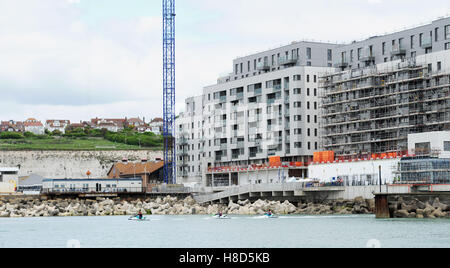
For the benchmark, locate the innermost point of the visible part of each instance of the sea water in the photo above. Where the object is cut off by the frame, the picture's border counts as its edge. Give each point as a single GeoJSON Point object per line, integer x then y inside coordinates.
{"type": "Point", "coordinates": [237, 232]}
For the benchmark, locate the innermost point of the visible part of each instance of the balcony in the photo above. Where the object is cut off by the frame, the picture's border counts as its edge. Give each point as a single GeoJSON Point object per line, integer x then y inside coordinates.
{"type": "Point", "coordinates": [183, 152]}
{"type": "Point", "coordinates": [263, 66]}
{"type": "Point", "coordinates": [398, 51]}
{"type": "Point", "coordinates": [183, 141]}
{"type": "Point", "coordinates": [223, 99]}
{"type": "Point", "coordinates": [367, 58]}
{"type": "Point", "coordinates": [341, 64]}
{"type": "Point", "coordinates": [289, 60]}
{"type": "Point", "coordinates": [427, 42]}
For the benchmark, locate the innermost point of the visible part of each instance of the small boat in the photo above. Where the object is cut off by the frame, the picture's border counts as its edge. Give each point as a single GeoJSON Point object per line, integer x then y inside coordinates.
{"type": "Point", "coordinates": [137, 219]}
{"type": "Point", "coordinates": [272, 216]}
{"type": "Point", "coordinates": [223, 217]}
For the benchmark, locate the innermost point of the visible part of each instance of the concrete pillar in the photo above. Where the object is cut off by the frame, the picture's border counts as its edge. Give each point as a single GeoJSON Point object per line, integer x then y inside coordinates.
{"type": "Point", "coordinates": [229, 179]}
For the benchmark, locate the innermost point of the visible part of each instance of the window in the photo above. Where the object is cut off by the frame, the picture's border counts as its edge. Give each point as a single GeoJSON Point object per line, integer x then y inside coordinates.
{"type": "Point", "coordinates": [298, 131]}
{"type": "Point", "coordinates": [447, 32]}
{"type": "Point", "coordinates": [315, 92]}
{"type": "Point", "coordinates": [422, 148]}
{"type": "Point", "coordinates": [309, 132]}
{"type": "Point", "coordinates": [447, 146]}
{"type": "Point", "coordinates": [248, 66]}
{"type": "Point", "coordinates": [436, 34]}
{"type": "Point", "coordinates": [297, 104]}
{"type": "Point", "coordinates": [383, 48]}
{"type": "Point", "coordinates": [297, 91]}
{"type": "Point", "coordinates": [412, 41]}
{"type": "Point", "coordinates": [308, 63]}
{"type": "Point", "coordinates": [297, 118]}
{"type": "Point", "coordinates": [359, 53]}
{"type": "Point", "coordinates": [236, 68]}
{"type": "Point", "coordinates": [242, 67]}
{"type": "Point", "coordinates": [413, 54]}
{"type": "Point", "coordinates": [439, 65]}
{"type": "Point", "coordinates": [447, 46]}
{"type": "Point", "coordinates": [308, 107]}
{"type": "Point", "coordinates": [330, 55]}
{"type": "Point", "coordinates": [420, 39]}
{"type": "Point", "coordinates": [308, 53]}
{"type": "Point", "coordinates": [308, 120]}
{"type": "Point", "coordinates": [351, 55]}
{"type": "Point", "coordinates": [307, 78]}
{"type": "Point", "coordinates": [297, 77]}
{"type": "Point", "coordinates": [307, 91]}
{"type": "Point", "coordinates": [315, 78]}
{"type": "Point", "coordinates": [297, 145]}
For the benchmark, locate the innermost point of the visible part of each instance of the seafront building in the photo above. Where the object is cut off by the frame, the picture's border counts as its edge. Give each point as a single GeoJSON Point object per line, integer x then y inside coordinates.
{"type": "Point", "coordinates": [359, 100]}
{"type": "Point", "coordinates": [269, 106]}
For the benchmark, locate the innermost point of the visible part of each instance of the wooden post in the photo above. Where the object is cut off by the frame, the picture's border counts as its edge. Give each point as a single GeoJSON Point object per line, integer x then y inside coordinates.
{"type": "Point", "coordinates": [382, 206]}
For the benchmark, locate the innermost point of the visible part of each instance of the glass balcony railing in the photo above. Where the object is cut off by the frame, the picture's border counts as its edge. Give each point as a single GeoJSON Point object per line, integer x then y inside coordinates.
{"type": "Point", "coordinates": [262, 66]}
{"type": "Point", "coordinates": [398, 50]}
{"type": "Point", "coordinates": [427, 42]}
{"type": "Point", "coordinates": [343, 63]}
{"type": "Point", "coordinates": [286, 60]}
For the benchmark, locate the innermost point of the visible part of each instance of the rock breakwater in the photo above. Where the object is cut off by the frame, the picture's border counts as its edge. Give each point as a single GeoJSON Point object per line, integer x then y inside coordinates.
{"type": "Point", "coordinates": [37, 207]}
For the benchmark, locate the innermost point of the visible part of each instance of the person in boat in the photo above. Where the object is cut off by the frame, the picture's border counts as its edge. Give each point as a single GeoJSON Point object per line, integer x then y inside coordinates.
{"type": "Point", "coordinates": [140, 215]}
{"type": "Point", "coordinates": [269, 213]}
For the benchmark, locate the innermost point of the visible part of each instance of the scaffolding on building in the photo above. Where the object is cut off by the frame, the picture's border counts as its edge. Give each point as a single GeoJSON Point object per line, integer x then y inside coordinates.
{"type": "Point", "coordinates": [371, 111]}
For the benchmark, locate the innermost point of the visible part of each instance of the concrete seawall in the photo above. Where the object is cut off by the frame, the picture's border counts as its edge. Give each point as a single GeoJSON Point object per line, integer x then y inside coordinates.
{"type": "Point", "coordinates": [70, 164]}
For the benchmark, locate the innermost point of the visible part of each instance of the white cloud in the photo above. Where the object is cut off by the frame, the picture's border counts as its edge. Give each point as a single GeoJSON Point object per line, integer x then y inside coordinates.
{"type": "Point", "coordinates": [56, 58]}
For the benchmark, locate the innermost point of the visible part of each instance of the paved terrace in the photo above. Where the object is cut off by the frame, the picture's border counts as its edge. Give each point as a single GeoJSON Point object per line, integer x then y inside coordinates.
{"type": "Point", "coordinates": [287, 191]}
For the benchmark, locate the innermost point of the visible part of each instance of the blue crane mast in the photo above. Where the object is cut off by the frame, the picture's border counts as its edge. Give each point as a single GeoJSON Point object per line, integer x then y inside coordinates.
{"type": "Point", "coordinates": [169, 169]}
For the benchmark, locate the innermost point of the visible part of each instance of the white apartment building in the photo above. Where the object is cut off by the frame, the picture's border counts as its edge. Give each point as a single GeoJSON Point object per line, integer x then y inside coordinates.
{"type": "Point", "coordinates": [272, 109]}
{"type": "Point", "coordinates": [272, 104]}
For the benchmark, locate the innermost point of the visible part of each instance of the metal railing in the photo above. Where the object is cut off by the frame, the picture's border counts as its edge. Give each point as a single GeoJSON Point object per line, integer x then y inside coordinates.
{"type": "Point", "coordinates": [93, 190]}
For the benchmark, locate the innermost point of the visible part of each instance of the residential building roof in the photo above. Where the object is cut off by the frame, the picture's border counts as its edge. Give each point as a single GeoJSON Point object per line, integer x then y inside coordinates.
{"type": "Point", "coordinates": [131, 169]}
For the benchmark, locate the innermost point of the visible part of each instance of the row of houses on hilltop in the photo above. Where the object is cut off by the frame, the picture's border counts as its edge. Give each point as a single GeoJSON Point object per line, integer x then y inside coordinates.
{"type": "Point", "coordinates": [114, 125]}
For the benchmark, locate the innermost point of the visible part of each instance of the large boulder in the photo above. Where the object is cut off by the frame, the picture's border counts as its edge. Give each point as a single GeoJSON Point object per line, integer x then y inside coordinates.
{"type": "Point", "coordinates": [4, 214]}
{"type": "Point", "coordinates": [401, 214]}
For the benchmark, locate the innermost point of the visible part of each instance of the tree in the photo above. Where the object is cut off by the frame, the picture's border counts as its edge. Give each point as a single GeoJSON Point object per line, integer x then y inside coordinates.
{"type": "Point", "coordinates": [11, 135]}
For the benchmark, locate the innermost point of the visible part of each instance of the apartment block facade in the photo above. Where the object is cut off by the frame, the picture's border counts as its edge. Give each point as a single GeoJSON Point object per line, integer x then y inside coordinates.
{"type": "Point", "coordinates": [355, 99]}
{"type": "Point", "coordinates": [269, 108]}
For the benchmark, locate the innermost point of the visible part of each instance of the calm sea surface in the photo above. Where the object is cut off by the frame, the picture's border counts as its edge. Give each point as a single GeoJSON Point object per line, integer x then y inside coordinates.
{"type": "Point", "coordinates": [238, 232]}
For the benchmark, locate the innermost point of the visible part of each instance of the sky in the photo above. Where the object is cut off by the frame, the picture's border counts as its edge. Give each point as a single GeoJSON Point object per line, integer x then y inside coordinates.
{"type": "Point", "coordinates": [81, 59]}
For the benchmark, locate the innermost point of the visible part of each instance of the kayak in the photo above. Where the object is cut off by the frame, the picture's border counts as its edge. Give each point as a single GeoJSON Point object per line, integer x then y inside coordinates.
{"type": "Point", "coordinates": [223, 217]}
{"type": "Point", "coordinates": [270, 216]}
{"type": "Point", "coordinates": [137, 219]}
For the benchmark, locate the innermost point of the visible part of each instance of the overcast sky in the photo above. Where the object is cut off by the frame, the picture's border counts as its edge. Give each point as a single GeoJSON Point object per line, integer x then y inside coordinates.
{"type": "Point", "coordinates": [78, 59]}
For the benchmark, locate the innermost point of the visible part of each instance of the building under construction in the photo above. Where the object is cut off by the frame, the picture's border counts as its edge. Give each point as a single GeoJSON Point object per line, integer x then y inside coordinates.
{"type": "Point", "coordinates": [372, 110]}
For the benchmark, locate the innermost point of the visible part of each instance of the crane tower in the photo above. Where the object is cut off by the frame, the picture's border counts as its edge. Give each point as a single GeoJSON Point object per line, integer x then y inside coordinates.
{"type": "Point", "coordinates": [169, 169]}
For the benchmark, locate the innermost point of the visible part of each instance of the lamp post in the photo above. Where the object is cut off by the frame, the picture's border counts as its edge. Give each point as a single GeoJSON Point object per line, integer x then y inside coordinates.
{"type": "Point", "coordinates": [379, 168]}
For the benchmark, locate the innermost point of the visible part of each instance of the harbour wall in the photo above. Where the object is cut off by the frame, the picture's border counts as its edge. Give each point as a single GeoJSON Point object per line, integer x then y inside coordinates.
{"type": "Point", "coordinates": [70, 164]}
